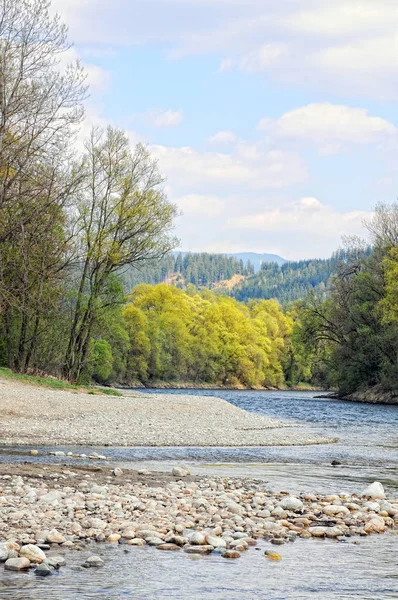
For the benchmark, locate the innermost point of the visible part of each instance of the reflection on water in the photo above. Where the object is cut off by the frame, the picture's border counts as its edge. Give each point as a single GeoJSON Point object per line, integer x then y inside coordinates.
{"type": "Point", "coordinates": [361, 568]}
{"type": "Point", "coordinates": [365, 570]}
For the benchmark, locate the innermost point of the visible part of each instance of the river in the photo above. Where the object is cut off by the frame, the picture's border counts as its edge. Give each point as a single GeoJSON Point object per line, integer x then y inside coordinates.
{"type": "Point", "coordinates": [367, 449]}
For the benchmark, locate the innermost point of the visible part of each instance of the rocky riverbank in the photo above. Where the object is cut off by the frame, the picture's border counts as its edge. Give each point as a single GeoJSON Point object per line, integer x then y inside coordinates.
{"type": "Point", "coordinates": [38, 416]}
{"type": "Point", "coordinates": [46, 510]}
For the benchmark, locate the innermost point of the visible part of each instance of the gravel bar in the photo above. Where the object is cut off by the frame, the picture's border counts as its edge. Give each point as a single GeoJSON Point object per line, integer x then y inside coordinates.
{"type": "Point", "coordinates": [32, 415]}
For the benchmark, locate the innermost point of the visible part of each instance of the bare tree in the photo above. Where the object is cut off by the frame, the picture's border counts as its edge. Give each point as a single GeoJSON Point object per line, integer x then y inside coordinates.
{"type": "Point", "coordinates": [40, 103]}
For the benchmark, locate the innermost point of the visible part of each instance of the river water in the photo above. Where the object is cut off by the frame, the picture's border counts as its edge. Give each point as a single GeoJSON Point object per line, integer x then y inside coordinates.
{"type": "Point", "coordinates": [367, 449]}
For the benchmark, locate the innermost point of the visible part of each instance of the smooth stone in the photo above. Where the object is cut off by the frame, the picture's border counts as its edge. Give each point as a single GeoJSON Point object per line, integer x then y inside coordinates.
{"type": "Point", "coordinates": [17, 564]}
{"type": "Point", "coordinates": [215, 541]}
{"type": "Point", "coordinates": [272, 555]}
{"type": "Point", "coordinates": [375, 490]}
{"type": "Point", "coordinates": [4, 551]}
{"type": "Point", "coordinates": [197, 539]}
{"type": "Point", "coordinates": [43, 570]}
{"type": "Point", "coordinates": [33, 553]}
{"type": "Point", "coordinates": [93, 561]}
{"type": "Point", "coordinates": [33, 452]}
{"type": "Point", "coordinates": [180, 472]}
{"type": "Point", "coordinates": [231, 554]}
{"type": "Point", "coordinates": [117, 472]}
{"type": "Point", "coordinates": [317, 531]}
{"type": "Point", "coordinates": [55, 537]}
{"type": "Point", "coordinates": [291, 503]}
{"type": "Point", "coordinates": [56, 561]}
{"type": "Point", "coordinates": [169, 547]}
{"type": "Point", "coordinates": [375, 525]}
{"type": "Point", "coordinates": [204, 549]}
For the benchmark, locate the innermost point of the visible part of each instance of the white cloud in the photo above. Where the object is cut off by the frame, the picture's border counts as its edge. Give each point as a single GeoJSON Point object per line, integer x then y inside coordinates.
{"type": "Point", "coordinates": [332, 127]}
{"type": "Point", "coordinates": [200, 205]}
{"type": "Point", "coordinates": [161, 118]}
{"type": "Point", "coordinates": [223, 137]}
{"type": "Point", "coordinates": [339, 45]}
{"type": "Point", "coordinates": [306, 216]}
{"type": "Point", "coordinates": [247, 165]}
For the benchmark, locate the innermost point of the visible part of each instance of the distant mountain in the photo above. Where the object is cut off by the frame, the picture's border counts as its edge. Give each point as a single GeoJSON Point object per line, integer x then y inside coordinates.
{"type": "Point", "coordinates": [258, 259]}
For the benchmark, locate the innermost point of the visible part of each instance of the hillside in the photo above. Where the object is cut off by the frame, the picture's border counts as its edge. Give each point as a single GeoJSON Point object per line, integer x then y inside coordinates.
{"type": "Point", "coordinates": [183, 268]}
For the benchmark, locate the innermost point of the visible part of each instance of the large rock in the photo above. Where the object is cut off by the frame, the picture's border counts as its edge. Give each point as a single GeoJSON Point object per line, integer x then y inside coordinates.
{"type": "Point", "coordinates": [375, 491]}
{"type": "Point", "coordinates": [33, 553]}
{"type": "Point", "coordinates": [291, 503]}
{"type": "Point", "coordinates": [17, 564]}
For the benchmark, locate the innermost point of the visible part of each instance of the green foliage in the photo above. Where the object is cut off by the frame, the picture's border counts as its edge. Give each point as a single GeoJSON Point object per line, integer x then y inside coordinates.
{"type": "Point", "coordinates": [204, 337]}
{"type": "Point", "coordinates": [355, 331]}
{"type": "Point", "coordinates": [101, 360]}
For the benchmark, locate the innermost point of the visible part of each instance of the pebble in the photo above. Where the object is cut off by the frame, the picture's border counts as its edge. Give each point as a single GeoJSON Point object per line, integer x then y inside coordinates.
{"type": "Point", "coordinates": [223, 515]}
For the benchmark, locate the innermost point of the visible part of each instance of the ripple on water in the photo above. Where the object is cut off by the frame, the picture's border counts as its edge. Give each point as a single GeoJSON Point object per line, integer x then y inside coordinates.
{"type": "Point", "coordinates": [309, 569]}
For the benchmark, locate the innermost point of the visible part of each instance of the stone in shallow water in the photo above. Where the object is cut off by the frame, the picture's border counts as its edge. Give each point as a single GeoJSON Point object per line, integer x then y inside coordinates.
{"type": "Point", "coordinates": [56, 561]}
{"type": "Point", "coordinates": [169, 547]}
{"type": "Point", "coordinates": [231, 554]}
{"type": "Point", "coordinates": [272, 555]}
{"type": "Point", "coordinates": [17, 564]}
{"type": "Point", "coordinates": [198, 549]}
{"type": "Point", "coordinates": [33, 553]}
{"type": "Point", "coordinates": [43, 570]}
{"type": "Point", "coordinates": [93, 561]}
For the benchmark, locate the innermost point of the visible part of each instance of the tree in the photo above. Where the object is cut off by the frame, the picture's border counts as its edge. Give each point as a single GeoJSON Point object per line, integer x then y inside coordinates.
{"type": "Point", "coordinates": [40, 102]}
{"type": "Point", "coordinates": [124, 218]}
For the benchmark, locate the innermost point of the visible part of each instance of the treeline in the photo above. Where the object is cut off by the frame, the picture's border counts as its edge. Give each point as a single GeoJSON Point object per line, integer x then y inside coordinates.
{"type": "Point", "coordinates": [355, 330]}
{"type": "Point", "coordinates": [203, 337]}
{"type": "Point", "coordinates": [70, 222]}
{"type": "Point", "coordinates": [198, 269]}
{"type": "Point", "coordinates": [291, 281]}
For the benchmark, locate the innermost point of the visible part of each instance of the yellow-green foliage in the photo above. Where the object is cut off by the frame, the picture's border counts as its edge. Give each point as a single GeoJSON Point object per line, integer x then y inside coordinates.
{"type": "Point", "coordinates": [389, 304]}
{"type": "Point", "coordinates": [204, 337]}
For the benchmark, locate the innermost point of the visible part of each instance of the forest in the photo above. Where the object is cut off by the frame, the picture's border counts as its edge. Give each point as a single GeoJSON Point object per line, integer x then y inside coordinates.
{"type": "Point", "coordinates": [90, 288]}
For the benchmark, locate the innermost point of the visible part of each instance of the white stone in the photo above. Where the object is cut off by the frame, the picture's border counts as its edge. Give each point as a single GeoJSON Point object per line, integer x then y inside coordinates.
{"type": "Point", "coordinates": [33, 553]}
{"type": "Point", "coordinates": [375, 490]}
{"type": "Point", "coordinates": [291, 503]}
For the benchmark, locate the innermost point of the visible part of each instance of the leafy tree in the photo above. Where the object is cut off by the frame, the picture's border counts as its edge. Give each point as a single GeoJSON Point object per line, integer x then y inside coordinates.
{"type": "Point", "coordinates": [124, 218]}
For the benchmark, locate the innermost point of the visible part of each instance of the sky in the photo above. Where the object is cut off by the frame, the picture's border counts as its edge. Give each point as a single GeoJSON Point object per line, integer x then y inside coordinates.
{"type": "Point", "coordinates": [275, 124]}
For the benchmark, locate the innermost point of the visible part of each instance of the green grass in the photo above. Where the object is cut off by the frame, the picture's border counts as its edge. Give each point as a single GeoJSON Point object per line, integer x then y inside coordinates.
{"type": "Point", "coordinates": [57, 384]}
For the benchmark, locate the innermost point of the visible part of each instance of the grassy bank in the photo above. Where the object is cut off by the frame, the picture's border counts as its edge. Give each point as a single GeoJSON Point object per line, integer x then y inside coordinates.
{"type": "Point", "coordinates": [55, 384]}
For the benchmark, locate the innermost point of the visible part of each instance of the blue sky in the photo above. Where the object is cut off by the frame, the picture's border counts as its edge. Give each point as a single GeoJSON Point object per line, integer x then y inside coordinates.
{"type": "Point", "coordinates": [275, 123]}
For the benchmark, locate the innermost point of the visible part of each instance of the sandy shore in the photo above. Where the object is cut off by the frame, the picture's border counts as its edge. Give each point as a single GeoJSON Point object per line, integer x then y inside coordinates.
{"type": "Point", "coordinates": [32, 416]}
